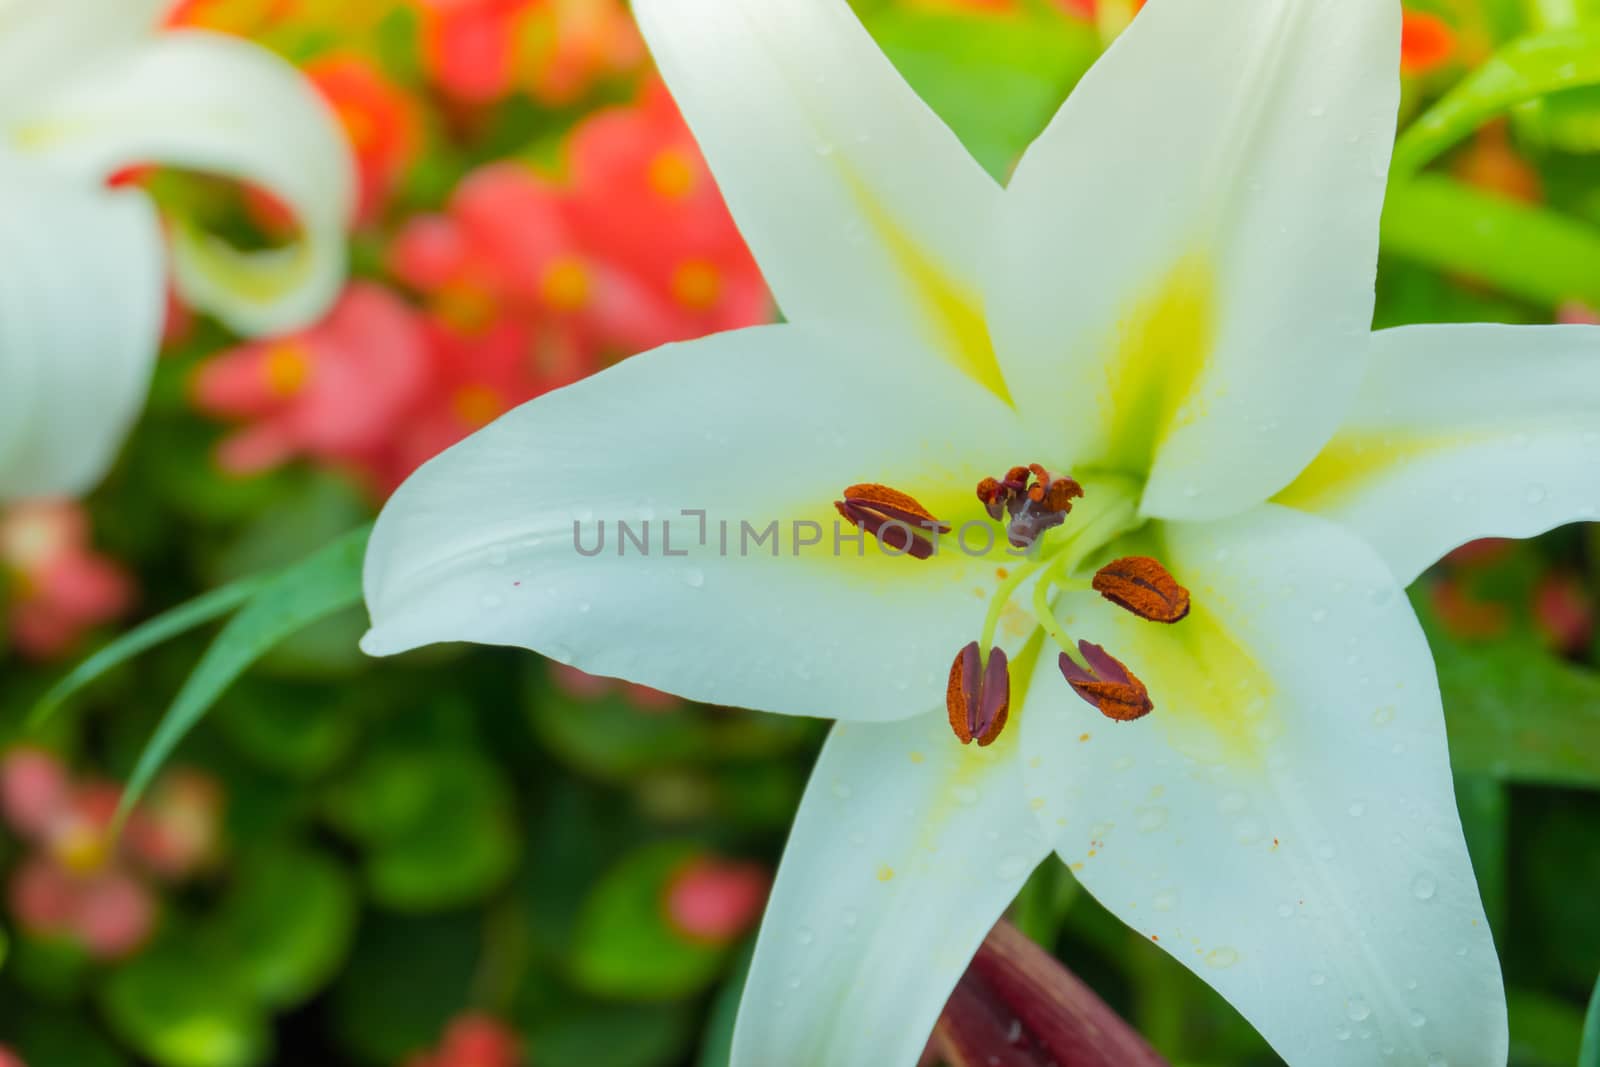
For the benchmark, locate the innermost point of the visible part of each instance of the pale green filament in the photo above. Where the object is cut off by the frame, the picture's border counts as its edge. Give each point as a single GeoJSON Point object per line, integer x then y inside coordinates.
{"type": "Point", "coordinates": [1116, 513]}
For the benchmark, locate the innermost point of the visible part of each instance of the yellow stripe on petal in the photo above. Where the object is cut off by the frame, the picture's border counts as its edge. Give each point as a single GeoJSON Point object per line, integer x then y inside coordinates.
{"type": "Point", "coordinates": [955, 317]}
{"type": "Point", "coordinates": [1352, 462]}
{"type": "Point", "coordinates": [1162, 345]}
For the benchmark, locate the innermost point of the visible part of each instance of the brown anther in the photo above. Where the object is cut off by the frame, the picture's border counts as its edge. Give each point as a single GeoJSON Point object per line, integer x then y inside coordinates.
{"type": "Point", "coordinates": [1035, 500]}
{"type": "Point", "coordinates": [978, 696]}
{"type": "Point", "coordinates": [895, 518]}
{"type": "Point", "coordinates": [1108, 685]}
{"type": "Point", "coordinates": [1143, 586]}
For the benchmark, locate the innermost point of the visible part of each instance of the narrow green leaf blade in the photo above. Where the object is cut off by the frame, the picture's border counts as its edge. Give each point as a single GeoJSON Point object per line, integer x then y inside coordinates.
{"type": "Point", "coordinates": [1589, 1053]}
{"type": "Point", "coordinates": [162, 628]}
{"type": "Point", "coordinates": [1524, 70]}
{"type": "Point", "coordinates": [1521, 250]}
{"type": "Point", "coordinates": [291, 600]}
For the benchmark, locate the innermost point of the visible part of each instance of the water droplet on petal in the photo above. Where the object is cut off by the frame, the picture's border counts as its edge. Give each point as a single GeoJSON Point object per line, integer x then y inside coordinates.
{"type": "Point", "coordinates": [1536, 494]}
{"type": "Point", "coordinates": [1318, 978]}
{"type": "Point", "coordinates": [1222, 957]}
{"type": "Point", "coordinates": [1357, 1009]}
{"type": "Point", "coordinates": [1418, 1019]}
{"type": "Point", "coordinates": [804, 935]}
{"type": "Point", "coordinates": [694, 578]}
{"type": "Point", "coordinates": [1423, 887]}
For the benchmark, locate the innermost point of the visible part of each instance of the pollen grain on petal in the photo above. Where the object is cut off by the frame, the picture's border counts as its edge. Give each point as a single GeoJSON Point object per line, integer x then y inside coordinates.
{"type": "Point", "coordinates": [1143, 586]}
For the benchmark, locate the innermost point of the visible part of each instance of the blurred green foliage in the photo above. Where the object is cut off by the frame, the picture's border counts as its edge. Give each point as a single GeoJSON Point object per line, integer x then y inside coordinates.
{"type": "Point", "coordinates": [454, 830]}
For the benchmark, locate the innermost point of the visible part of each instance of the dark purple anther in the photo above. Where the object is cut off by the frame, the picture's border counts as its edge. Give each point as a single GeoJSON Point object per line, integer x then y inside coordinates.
{"type": "Point", "coordinates": [1111, 688]}
{"type": "Point", "coordinates": [978, 696]}
{"type": "Point", "coordinates": [894, 518]}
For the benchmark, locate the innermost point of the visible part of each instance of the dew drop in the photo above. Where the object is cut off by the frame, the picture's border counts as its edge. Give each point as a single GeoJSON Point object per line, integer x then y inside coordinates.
{"type": "Point", "coordinates": [1222, 957]}
{"type": "Point", "coordinates": [1342, 1033]}
{"type": "Point", "coordinates": [1383, 716]}
{"type": "Point", "coordinates": [804, 935]}
{"type": "Point", "coordinates": [1535, 495]}
{"type": "Point", "coordinates": [1318, 978]}
{"type": "Point", "coordinates": [1165, 900]}
{"type": "Point", "coordinates": [1357, 809]}
{"type": "Point", "coordinates": [1152, 819]}
{"type": "Point", "coordinates": [1418, 1020]}
{"type": "Point", "coordinates": [1423, 887]}
{"type": "Point", "coordinates": [1319, 615]}
{"type": "Point", "coordinates": [1285, 911]}
{"type": "Point", "coordinates": [694, 578]}
{"type": "Point", "coordinates": [1357, 1009]}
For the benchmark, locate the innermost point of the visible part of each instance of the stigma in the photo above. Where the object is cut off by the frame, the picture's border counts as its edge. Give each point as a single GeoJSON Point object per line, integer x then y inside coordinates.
{"type": "Point", "coordinates": [896, 519]}
{"type": "Point", "coordinates": [1034, 500]}
{"type": "Point", "coordinates": [979, 695]}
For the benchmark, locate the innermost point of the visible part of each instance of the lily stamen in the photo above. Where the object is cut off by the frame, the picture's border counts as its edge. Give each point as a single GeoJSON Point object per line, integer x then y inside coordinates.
{"type": "Point", "coordinates": [896, 519]}
{"type": "Point", "coordinates": [979, 695]}
{"type": "Point", "coordinates": [1106, 684]}
{"type": "Point", "coordinates": [1143, 586]}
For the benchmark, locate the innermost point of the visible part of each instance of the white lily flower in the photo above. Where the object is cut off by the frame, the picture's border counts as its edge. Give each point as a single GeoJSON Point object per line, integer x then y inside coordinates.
{"type": "Point", "coordinates": [88, 87]}
{"type": "Point", "coordinates": [1171, 302]}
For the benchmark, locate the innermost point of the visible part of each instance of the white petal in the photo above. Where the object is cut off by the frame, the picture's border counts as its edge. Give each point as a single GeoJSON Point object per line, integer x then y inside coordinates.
{"type": "Point", "coordinates": [252, 118]}
{"type": "Point", "coordinates": [81, 305]}
{"type": "Point", "coordinates": [1463, 432]}
{"type": "Point", "coordinates": [1185, 258]}
{"type": "Point", "coordinates": [1284, 821]}
{"type": "Point", "coordinates": [43, 41]}
{"type": "Point", "coordinates": [760, 426]}
{"type": "Point", "coordinates": [904, 853]}
{"type": "Point", "coordinates": [862, 208]}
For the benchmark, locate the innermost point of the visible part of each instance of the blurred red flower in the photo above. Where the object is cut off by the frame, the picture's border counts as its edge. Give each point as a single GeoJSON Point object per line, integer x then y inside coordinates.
{"type": "Point", "coordinates": [78, 884]}
{"type": "Point", "coordinates": [59, 586]}
{"type": "Point", "coordinates": [335, 392]}
{"type": "Point", "coordinates": [382, 122]}
{"type": "Point", "coordinates": [714, 900]}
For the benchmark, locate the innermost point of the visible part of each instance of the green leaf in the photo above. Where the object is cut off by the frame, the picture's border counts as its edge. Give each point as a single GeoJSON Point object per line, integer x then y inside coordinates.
{"type": "Point", "coordinates": [716, 1047]}
{"type": "Point", "coordinates": [162, 628]}
{"type": "Point", "coordinates": [1589, 1053]}
{"type": "Point", "coordinates": [289, 922]}
{"type": "Point", "coordinates": [1525, 251]}
{"type": "Point", "coordinates": [182, 1011]}
{"type": "Point", "coordinates": [1522, 71]}
{"type": "Point", "coordinates": [437, 825]}
{"type": "Point", "coordinates": [1518, 713]}
{"type": "Point", "coordinates": [1485, 819]}
{"type": "Point", "coordinates": [286, 603]}
{"type": "Point", "coordinates": [995, 81]}
{"type": "Point", "coordinates": [625, 947]}
{"type": "Point", "coordinates": [406, 979]}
